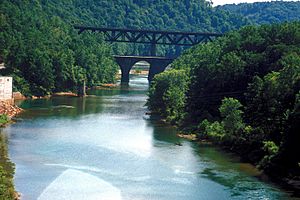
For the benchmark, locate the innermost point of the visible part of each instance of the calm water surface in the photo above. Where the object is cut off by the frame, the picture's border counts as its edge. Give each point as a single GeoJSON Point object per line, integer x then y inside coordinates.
{"type": "Point", "coordinates": [107, 148]}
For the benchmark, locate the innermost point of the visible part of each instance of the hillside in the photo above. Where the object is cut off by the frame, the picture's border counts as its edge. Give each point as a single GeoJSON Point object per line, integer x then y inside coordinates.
{"type": "Point", "coordinates": [266, 12]}
{"type": "Point", "coordinates": [44, 54]}
{"type": "Point", "coordinates": [189, 15]}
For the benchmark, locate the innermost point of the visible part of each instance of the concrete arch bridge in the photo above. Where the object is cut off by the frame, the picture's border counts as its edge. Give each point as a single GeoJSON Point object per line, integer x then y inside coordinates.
{"type": "Point", "coordinates": [157, 64]}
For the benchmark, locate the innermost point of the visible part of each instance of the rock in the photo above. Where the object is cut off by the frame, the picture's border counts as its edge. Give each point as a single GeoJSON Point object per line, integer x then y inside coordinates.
{"type": "Point", "coordinates": [67, 94]}
{"type": "Point", "coordinates": [18, 96]}
{"type": "Point", "coordinates": [178, 144]}
{"type": "Point", "coordinates": [192, 137]}
{"type": "Point", "coordinates": [9, 109]}
{"type": "Point", "coordinates": [17, 196]}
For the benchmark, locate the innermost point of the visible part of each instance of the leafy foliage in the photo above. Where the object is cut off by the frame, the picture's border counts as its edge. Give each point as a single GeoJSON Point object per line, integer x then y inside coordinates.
{"type": "Point", "coordinates": [266, 12]}
{"type": "Point", "coordinates": [231, 126]}
{"type": "Point", "coordinates": [3, 119]}
{"type": "Point", "coordinates": [232, 116]}
{"type": "Point", "coordinates": [167, 94]}
{"type": "Point", "coordinates": [43, 53]}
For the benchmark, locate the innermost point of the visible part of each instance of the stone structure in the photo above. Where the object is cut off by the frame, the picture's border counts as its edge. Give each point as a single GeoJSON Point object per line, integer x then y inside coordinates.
{"type": "Point", "coordinates": [157, 65]}
{"type": "Point", "coordinates": [6, 88]}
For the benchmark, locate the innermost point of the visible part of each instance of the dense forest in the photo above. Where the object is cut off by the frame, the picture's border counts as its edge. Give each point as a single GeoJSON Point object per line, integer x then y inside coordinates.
{"type": "Point", "coordinates": [44, 54]}
{"type": "Point", "coordinates": [241, 91]}
{"type": "Point", "coordinates": [266, 12]}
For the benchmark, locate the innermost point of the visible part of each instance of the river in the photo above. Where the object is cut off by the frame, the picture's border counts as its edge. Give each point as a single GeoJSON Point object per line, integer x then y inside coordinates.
{"type": "Point", "coordinates": [104, 147]}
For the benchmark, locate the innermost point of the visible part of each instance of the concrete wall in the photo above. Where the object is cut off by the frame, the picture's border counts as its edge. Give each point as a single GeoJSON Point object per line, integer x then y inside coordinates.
{"type": "Point", "coordinates": [6, 88]}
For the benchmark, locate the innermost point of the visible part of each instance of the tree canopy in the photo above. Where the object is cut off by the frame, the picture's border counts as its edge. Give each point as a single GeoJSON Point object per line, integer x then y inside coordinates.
{"type": "Point", "coordinates": [266, 12]}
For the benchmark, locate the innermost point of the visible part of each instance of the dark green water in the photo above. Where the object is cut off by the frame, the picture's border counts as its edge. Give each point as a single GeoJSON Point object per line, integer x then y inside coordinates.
{"type": "Point", "coordinates": [105, 147]}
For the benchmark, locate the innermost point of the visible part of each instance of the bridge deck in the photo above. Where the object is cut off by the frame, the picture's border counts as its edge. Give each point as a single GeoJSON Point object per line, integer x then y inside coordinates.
{"type": "Point", "coordinates": [144, 57]}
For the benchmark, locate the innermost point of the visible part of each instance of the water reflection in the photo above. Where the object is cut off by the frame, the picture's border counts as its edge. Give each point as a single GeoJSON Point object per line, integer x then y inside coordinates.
{"type": "Point", "coordinates": [61, 107]}
{"type": "Point", "coordinates": [162, 132]}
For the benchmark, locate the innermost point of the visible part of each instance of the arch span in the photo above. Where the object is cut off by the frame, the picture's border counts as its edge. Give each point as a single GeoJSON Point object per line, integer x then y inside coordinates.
{"type": "Point", "coordinates": [140, 68]}
{"type": "Point", "coordinates": [157, 65]}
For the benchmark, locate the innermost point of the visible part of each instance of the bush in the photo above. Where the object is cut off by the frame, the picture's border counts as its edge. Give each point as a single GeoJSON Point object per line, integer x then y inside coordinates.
{"type": "Point", "coordinates": [271, 150]}
{"type": "Point", "coordinates": [214, 131]}
{"type": "Point", "coordinates": [167, 94]}
{"type": "Point", "coordinates": [230, 128]}
{"type": "Point", "coordinates": [232, 116]}
{"type": "Point", "coordinates": [3, 119]}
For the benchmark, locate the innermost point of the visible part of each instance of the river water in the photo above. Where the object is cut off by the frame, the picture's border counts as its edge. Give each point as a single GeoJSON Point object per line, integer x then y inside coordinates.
{"type": "Point", "coordinates": [105, 147]}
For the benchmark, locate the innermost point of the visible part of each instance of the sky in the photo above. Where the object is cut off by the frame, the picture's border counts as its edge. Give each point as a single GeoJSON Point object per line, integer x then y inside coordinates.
{"type": "Point", "coordinates": [222, 2]}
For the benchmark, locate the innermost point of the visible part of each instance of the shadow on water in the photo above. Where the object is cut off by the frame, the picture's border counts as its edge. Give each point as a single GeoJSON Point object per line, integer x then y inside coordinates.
{"type": "Point", "coordinates": [61, 107]}
{"type": "Point", "coordinates": [162, 132]}
{"type": "Point", "coordinates": [239, 178]}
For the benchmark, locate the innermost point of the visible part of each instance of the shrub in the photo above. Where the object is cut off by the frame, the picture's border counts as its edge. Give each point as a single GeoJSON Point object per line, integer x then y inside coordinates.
{"type": "Point", "coordinates": [167, 94]}
{"type": "Point", "coordinates": [3, 119]}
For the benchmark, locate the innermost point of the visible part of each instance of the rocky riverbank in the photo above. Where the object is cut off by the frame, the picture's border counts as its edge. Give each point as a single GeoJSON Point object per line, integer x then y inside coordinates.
{"type": "Point", "coordinates": [191, 137]}
{"type": "Point", "coordinates": [9, 109]}
{"type": "Point", "coordinates": [64, 94]}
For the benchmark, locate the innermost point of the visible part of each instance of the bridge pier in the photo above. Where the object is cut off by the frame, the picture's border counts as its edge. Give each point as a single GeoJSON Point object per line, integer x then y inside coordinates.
{"type": "Point", "coordinates": [125, 65]}
{"type": "Point", "coordinates": [157, 67]}
{"type": "Point", "coordinates": [125, 75]}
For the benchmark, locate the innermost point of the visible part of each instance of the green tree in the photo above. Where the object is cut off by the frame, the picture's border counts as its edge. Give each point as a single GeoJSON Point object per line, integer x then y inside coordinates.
{"type": "Point", "coordinates": [167, 94]}
{"type": "Point", "coordinates": [231, 114]}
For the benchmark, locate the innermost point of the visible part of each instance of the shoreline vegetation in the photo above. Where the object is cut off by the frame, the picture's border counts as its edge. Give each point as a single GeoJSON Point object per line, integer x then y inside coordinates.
{"type": "Point", "coordinates": [290, 184]}
{"type": "Point", "coordinates": [242, 93]}
{"type": "Point", "coordinates": [7, 169]}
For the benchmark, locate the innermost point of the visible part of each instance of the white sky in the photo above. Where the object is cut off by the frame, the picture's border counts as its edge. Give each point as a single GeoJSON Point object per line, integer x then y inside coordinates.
{"type": "Point", "coordinates": [222, 2]}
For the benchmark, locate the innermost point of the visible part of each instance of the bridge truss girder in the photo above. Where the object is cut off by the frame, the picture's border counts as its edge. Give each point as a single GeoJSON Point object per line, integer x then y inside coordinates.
{"type": "Point", "coordinates": [150, 36]}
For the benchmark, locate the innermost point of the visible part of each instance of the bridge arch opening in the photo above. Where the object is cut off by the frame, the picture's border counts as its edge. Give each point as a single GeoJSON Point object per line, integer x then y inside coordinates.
{"type": "Point", "coordinates": [140, 68]}
{"type": "Point", "coordinates": [126, 63]}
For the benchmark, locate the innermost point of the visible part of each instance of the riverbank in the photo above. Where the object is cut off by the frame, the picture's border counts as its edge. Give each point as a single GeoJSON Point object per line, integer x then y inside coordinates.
{"type": "Point", "coordinates": [289, 183]}
{"type": "Point", "coordinates": [9, 109]}
{"type": "Point", "coordinates": [7, 191]}
{"type": "Point", "coordinates": [106, 86]}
